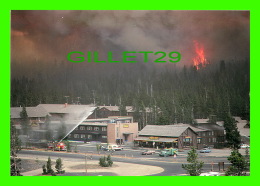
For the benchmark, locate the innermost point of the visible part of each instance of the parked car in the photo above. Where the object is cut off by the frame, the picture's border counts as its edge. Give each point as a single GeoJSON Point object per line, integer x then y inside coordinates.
{"type": "Point", "coordinates": [148, 152]}
{"type": "Point", "coordinates": [113, 148]}
{"type": "Point", "coordinates": [244, 146]}
{"type": "Point", "coordinates": [205, 150]}
{"type": "Point", "coordinates": [210, 174]}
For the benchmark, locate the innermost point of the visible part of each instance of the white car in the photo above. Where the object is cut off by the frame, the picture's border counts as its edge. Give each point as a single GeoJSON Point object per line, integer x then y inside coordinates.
{"type": "Point", "coordinates": [210, 174]}
{"type": "Point", "coordinates": [113, 148]}
{"type": "Point", "coordinates": [244, 146]}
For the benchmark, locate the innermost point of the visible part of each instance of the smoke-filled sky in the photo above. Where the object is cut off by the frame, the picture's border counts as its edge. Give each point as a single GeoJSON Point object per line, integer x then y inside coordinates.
{"type": "Point", "coordinates": [49, 35]}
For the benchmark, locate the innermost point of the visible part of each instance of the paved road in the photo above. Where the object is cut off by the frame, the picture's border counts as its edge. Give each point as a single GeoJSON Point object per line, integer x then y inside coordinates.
{"type": "Point", "coordinates": [171, 165]}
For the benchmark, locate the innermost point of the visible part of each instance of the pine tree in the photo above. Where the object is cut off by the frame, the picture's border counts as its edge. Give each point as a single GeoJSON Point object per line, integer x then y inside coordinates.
{"type": "Point", "coordinates": [44, 170]}
{"type": "Point", "coordinates": [195, 166]}
{"type": "Point", "coordinates": [247, 159]}
{"type": "Point", "coordinates": [109, 161]}
{"type": "Point", "coordinates": [238, 164]}
{"type": "Point", "coordinates": [15, 147]}
{"type": "Point", "coordinates": [59, 166]}
{"type": "Point", "coordinates": [122, 109]}
{"type": "Point", "coordinates": [25, 122]}
{"type": "Point", "coordinates": [232, 134]}
{"type": "Point", "coordinates": [49, 166]}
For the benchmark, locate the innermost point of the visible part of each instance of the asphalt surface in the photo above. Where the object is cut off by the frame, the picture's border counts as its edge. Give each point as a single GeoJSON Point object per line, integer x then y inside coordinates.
{"type": "Point", "coordinates": [172, 166]}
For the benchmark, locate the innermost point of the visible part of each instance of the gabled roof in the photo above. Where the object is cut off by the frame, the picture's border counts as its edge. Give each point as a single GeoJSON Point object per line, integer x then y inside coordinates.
{"type": "Point", "coordinates": [210, 126]}
{"type": "Point", "coordinates": [163, 130]}
{"type": "Point", "coordinates": [31, 112]}
{"type": "Point", "coordinates": [195, 129]}
{"type": "Point", "coordinates": [65, 108]}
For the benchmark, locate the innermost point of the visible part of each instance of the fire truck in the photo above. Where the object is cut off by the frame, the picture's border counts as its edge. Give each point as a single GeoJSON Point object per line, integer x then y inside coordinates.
{"type": "Point", "coordinates": [58, 146]}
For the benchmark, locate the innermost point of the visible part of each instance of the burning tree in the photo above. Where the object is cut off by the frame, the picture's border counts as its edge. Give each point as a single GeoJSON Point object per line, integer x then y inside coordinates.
{"type": "Point", "coordinates": [200, 59]}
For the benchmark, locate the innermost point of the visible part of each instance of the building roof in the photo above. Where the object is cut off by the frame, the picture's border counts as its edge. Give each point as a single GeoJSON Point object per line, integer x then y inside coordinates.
{"type": "Point", "coordinates": [241, 128]}
{"type": "Point", "coordinates": [110, 119]}
{"type": "Point", "coordinates": [202, 120]}
{"type": "Point", "coordinates": [100, 120]}
{"type": "Point", "coordinates": [32, 112]}
{"type": "Point", "coordinates": [65, 108]}
{"type": "Point", "coordinates": [210, 126]}
{"type": "Point", "coordinates": [220, 123]}
{"type": "Point", "coordinates": [93, 124]}
{"type": "Point", "coordinates": [120, 117]}
{"type": "Point", "coordinates": [195, 129]}
{"type": "Point", "coordinates": [163, 130]}
{"type": "Point", "coordinates": [116, 108]}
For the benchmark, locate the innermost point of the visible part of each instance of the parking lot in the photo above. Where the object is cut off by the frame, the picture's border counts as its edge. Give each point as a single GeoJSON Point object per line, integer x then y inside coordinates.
{"type": "Point", "coordinates": [135, 152]}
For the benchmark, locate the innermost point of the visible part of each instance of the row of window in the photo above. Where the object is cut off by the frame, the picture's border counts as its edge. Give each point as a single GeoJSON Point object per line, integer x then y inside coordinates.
{"type": "Point", "coordinates": [210, 140]}
{"type": "Point", "coordinates": [199, 140]}
{"type": "Point", "coordinates": [210, 133]}
{"type": "Point", "coordinates": [84, 136]}
{"type": "Point", "coordinates": [91, 128]}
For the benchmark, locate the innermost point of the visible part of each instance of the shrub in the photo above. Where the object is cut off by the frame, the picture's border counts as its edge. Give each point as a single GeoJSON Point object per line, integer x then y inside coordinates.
{"type": "Point", "coordinates": [44, 170]}
{"type": "Point", "coordinates": [105, 161]}
{"type": "Point", "coordinates": [58, 166]}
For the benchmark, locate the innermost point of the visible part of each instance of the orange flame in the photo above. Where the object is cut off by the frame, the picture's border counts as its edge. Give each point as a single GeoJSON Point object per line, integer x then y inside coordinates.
{"type": "Point", "coordinates": [200, 60]}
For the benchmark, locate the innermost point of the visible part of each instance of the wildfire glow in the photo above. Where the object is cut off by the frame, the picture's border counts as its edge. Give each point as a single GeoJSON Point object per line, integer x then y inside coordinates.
{"type": "Point", "coordinates": [200, 60]}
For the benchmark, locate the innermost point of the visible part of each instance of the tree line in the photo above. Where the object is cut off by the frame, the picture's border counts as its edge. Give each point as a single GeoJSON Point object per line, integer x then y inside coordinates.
{"type": "Point", "coordinates": [172, 95]}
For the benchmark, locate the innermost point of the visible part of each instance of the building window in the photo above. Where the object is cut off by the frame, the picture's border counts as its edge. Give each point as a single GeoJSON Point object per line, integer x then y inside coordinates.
{"type": "Point", "coordinates": [82, 128]}
{"type": "Point", "coordinates": [89, 136]}
{"type": "Point", "coordinates": [96, 128]}
{"type": "Point", "coordinates": [209, 140]}
{"type": "Point", "coordinates": [76, 128]}
{"type": "Point", "coordinates": [76, 136]}
{"type": "Point", "coordinates": [199, 140]}
{"type": "Point", "coordinates": [104, 137]}
{"type": "Point", "coordinates": [214, 140]}
{"type": "Point", "coordinates": [69, 136]}
{"type": "Point", "coordinates": [104, 129]}
{"type": "Point", "coordinates": [204, 134]}
{"type": "Point", "coordinates": [82, 136]}
{"type": "Point", "coordinates": [89, 128]}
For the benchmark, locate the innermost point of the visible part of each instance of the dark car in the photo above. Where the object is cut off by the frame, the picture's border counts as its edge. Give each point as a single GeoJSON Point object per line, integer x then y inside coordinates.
{"type": "Point", "coordinates": [148, 152]}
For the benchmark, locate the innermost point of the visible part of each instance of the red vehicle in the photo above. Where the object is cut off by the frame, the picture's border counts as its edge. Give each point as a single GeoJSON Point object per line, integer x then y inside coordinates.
{"type": "Point", "coordinates": [59, 146]}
